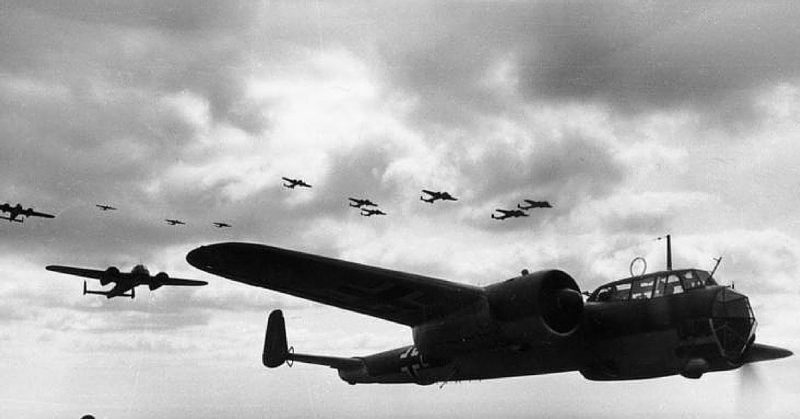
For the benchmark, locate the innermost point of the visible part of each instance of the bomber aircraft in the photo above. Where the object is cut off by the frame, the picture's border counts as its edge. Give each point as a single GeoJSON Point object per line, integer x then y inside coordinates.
{"type": "Point", "coordinates": [660, 324]}
{"type": "Point", "coordinates": [17, 210]}
{"type": "Point", "coordinates": [509, 214]}
{"type": "Point", "coordinates": [105, 207]}
{"type": "Point", "coordinates": [124, 281]}
{"type": "Point", "coordinates": [358, 203]}
{"type": "Point", "coordinates": [366, 212]}
{"type": "Point", "coordinates": [221, 225]}
{"type": "Point", "coordinates": [174, 222]}
{"type": "Point", "coordinates": [534, 204]}
{"type": "Point", "coordinates": [292, 183]}
{"type": "Point", "coordinates": [434, 196]}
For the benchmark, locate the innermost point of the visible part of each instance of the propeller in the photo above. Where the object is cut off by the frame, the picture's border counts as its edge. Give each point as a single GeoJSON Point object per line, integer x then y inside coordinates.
{"type": "Point", "coordinates": [753, 396]}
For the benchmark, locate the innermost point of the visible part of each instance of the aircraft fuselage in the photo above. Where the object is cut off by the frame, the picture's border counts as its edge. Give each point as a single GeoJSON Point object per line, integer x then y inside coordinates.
{"type": "Point", "coordinates": [614, 341]}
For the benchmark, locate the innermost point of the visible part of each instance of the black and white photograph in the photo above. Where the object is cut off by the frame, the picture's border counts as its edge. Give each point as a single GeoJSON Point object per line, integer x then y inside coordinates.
{"type": "Point", "coordinates": [399, 209]}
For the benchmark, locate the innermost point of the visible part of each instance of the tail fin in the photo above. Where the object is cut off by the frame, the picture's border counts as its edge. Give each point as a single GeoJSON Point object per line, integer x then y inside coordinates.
{"type": "Point", "coordinates": [275, 348]}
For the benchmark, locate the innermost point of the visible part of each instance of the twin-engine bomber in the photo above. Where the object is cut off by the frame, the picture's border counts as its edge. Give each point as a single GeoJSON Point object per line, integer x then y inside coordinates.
{"type": "Point", "coordinates": [125, 283]}
{"type": "Point", "coordinates": [654, 325]}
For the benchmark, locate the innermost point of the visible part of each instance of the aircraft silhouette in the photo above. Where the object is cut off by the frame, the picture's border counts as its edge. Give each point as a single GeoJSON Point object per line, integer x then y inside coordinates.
{"type": "Point", "coordinates": [174, 222]}
{"type": "Point", "coordinates": [124, 281]}
{"type": "Point", "coordinates": [295, 182]}
{"type": "Point", "coordinates": [433, 196]}
{"type": "Point", "coordinates": [105, 207]}
{"type": "Point", "coordinates": [366, 212]}
{"type": "Point", "coordinates": [509, 214]}
{"type": "Point", "coordinates": [221, 225]}
{"type": "Point", "coordinates": [534, 204]}
{"type": "Point", "coordinates": [660, 324]}
{"type": "Point", "coordinates": [358, 203]}
{"type": "Point", "coordinates": [17, 211]}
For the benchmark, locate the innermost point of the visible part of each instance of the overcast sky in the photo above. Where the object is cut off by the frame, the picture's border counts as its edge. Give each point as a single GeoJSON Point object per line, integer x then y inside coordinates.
{"type": "Point", "coordinates": [635, 119]}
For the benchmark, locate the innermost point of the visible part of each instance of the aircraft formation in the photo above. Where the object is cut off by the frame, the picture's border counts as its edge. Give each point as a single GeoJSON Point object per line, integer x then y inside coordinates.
{"type": "Point", "coordinates": [671, 322]}
{"type": "Point", "coordinates": [367, 207]}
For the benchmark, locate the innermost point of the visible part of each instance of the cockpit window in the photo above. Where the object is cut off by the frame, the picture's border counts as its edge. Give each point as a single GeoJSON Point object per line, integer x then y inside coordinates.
{"type": "Point", "coordinates": [660, 282]}
{"type": "Point", "coordinates": [642, 288]}
{"type": "Point", "coordinates": [654, 285]}
{"type": "Point", "coordinates": [673, 285]}
{"type": "Point", "coordinates": [692, 281]}
{"type": "Point", "coordinates": [622, 293]}
{"type": "Point", "coordinates": [705, 277]}
{"type": "Point", "coordinates": [618, 292]}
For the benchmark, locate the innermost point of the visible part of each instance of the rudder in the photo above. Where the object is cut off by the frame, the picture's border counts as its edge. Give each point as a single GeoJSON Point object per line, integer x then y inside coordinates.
{"type": "Point", "coordinates": [276, 350]}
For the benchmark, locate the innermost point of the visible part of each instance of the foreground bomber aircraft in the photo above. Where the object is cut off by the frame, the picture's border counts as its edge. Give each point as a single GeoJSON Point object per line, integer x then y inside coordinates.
{"type": "Point", "coordinates": [654, 325]}
{"type": "Point", "coordinates": [124, 281]}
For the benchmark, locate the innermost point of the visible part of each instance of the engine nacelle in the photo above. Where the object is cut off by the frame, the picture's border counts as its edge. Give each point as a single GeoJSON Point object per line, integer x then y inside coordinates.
{"type": "Point", "coordinates": [158, 281]}
{"type": "Point", "coordinates": [109, 275]}
{"type": "Point", "coordinates": [538, 307]}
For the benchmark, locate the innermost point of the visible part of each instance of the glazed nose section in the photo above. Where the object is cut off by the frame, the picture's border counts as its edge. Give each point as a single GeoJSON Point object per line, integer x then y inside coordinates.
{"type": "Point", "coordinates": [733, 322]}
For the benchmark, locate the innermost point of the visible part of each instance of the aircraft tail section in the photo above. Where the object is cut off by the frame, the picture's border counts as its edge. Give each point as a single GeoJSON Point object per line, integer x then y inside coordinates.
{"type": "Point", "coordinates": [277, 351]}
{"type": "Point", "coordinates": [108, 294]}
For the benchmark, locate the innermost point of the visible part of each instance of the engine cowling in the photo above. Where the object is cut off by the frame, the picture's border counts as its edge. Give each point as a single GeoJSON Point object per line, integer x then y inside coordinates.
{"type": "Point", "coordinates": [537, 307]}
{"type": "Point", "coordinates": [158, 281]}
{"type": "Point", "coordinates": [110, 274]}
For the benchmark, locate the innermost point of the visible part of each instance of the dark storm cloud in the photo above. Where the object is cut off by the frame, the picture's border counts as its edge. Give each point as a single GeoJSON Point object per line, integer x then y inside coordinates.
{"type": "Point", "coordinates": [708, 57]}
{"type": "Point", "coordinates": [129, 51]}
{"type": "Point", "coordinates": [176, 15]}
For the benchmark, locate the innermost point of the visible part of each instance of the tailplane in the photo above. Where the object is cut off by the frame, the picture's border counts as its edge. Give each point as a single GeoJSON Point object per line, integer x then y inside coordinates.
{"type": "Point", "coordinates": [277, 351]}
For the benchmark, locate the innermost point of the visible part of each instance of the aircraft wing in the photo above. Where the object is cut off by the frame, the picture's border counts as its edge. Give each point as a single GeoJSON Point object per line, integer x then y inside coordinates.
{"type": "Point", "coordinates": [86, 273]}
{"type": "Point", "coordinates": [184, 282]}
{"type": "Point", "coordinates": [391, 295]}
{"type": "Point", "coordinates": [31, 213]}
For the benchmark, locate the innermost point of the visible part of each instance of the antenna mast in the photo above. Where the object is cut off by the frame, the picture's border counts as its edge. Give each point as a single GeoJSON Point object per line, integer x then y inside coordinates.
{"type": "Point", "coordinates": [669, 253]}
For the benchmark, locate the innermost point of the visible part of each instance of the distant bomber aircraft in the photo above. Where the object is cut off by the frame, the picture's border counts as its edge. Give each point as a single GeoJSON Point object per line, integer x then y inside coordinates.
{"type": "Point", "coordinates": [124, 281]}
{"type": "Point", "coordinates": [534, 204]}
{"type": "Point", "coordinates": [174, 222]}
{"type": "Point", "coordinates": [508, 214]}
{"type": "Point", "coordinates": [295, 182]}
{"type": "Point", "coordinates": [366, 212]}
{"type": "Point", "coordinates": [433, 196]}
{"type": "Point", "coordinates": [105, 207]}
{"type": "Point", "coordinates": [221, 225]}
{"type": "Point", "coordinates": [17, 211]}
{"type": "Point", "coordinates": [358, 203]}
{"type": "Point", "coordinates": [645, 326]}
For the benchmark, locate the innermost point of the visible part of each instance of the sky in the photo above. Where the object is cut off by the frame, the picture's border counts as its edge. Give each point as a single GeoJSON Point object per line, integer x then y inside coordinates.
{"type": "Point", "coordinates": [635, 119]}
